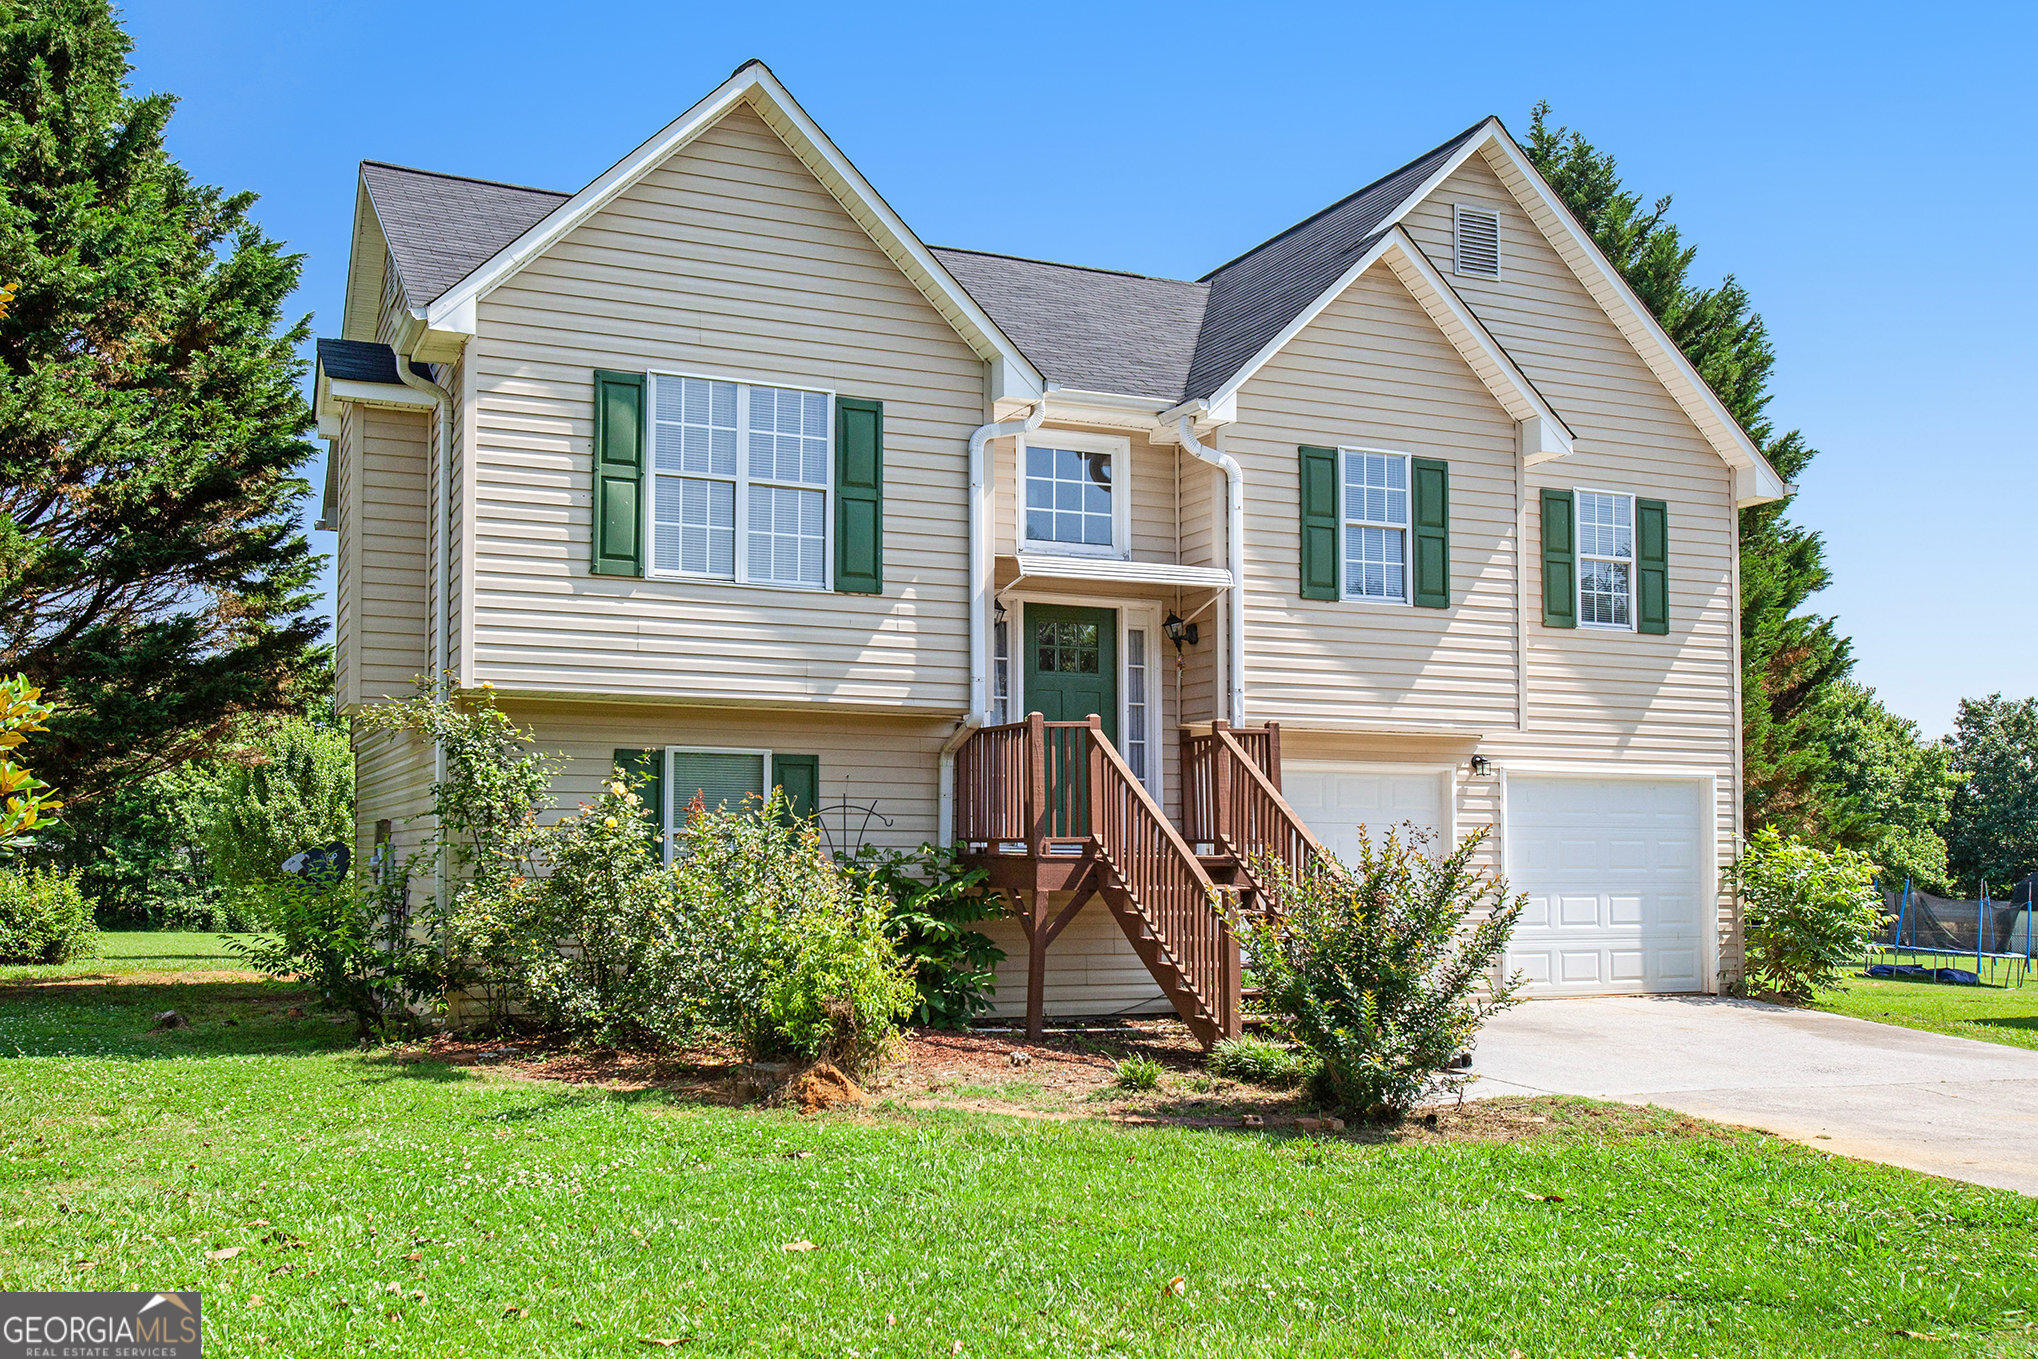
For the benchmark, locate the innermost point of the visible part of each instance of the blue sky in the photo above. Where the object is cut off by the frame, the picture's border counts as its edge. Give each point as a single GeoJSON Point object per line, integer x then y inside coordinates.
{"type": "Point", "coordinates": [1863, 169]}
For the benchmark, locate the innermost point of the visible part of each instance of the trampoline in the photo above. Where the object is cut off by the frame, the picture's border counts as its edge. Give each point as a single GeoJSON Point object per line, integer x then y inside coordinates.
{"type": "Point", "coordinates": [1998, 937]}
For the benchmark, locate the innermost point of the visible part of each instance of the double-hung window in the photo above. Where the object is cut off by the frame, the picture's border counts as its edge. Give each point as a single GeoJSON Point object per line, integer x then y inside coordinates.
{"type": "Point", "coordinates": [1375, 495]}
{"type": "Point", "coordinates": [742, 482]}
{"type": "Point", "coordinates": [1072, 493]}
{"type": "Point", "coordinates": [1606, 559]}
{"type": "Point", "coordinates": [1135, 727]}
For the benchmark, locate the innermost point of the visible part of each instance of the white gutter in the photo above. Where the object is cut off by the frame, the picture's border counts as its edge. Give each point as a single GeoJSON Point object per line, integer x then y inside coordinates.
{"type": "Point", "coordinates": [981, 517]}
{"type": "Point", "coordinates": [1234, 519]}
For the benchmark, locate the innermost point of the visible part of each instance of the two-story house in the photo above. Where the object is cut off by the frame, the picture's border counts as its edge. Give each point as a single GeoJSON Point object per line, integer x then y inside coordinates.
{"type": "Point", "coordinates": [1411, 513]}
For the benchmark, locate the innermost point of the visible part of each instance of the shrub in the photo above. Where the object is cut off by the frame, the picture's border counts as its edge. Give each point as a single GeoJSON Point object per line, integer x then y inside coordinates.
{"type": "Point", "coordinates": [584, 941]}
{"type": "Point", "coordinates": [287, 785]}
{"type": "Point", "coordinates": [1261, 1062]}
{"type": "Point", "coordinates": [44, 918]}
{"type": "Point", "coordinates": [775, 945]}
{"type": "Point", "coordinates": [353, 943]}
{"type": "Point", "coordinates": [1807, 911]}
{"type": "Point", "coordinates": [1139, 1073]}
{"type": "Point", "coordinates": [1381, 969]}
{"type": "Point", "coordinates": [931, 902]}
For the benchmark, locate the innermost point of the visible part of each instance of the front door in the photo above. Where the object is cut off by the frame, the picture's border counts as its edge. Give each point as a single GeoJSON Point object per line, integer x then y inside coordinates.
{"type": "Point", "coordinates": [1072, 664]}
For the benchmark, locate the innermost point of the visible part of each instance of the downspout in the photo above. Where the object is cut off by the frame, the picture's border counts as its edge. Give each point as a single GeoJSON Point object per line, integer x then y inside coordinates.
{"type": "Point", "coordinates": [981, 504]}
{"type": "Point", "coordinates": [1234, 522]}
{"type": "Point", "coordinates": [442, 412]}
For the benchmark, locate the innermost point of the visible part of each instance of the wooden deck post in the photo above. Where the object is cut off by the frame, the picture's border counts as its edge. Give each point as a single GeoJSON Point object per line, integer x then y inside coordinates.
{"type": "Point", "coordinates": [1220, 788]}
{"type": "Point", "coordinates": [1036, 965]}
{"type": "Point", "coordinates": [1274, 755]}
{"type": "Point", "coordinates": [1093, 777]}
{"type": "Point", "coordinates": [1037, 827]}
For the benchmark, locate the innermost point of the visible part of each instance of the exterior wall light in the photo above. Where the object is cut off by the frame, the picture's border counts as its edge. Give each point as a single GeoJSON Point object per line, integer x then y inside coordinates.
{"type": "Point", "coordinates": [1481, 766]}
{"type": "Point", "coordinates": [1178, 632]}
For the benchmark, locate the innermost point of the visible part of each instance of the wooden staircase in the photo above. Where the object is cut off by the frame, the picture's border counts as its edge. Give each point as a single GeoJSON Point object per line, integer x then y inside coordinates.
{"type": "Point", "coordinates": [1051, 807]}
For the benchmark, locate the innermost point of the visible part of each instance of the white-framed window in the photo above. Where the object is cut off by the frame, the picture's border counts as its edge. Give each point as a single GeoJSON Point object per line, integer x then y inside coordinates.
{"type": "Point", "coordinates": [1475, 241]}
{"type": "Point", "coordinates": [721, 778]}
{"type": "Point", "coordinates": [1001, 671]}
{"type": "Point", "coordinates": [1606, 559]}
{"type": "Point", "coordinates": [1072, 493]}
{"type": "Point", "coordinates": [1374, 494]}
{"type": "Point", "coordinates": [742, 475]}
{"type": "Point", "coordinates": [1135, 725]}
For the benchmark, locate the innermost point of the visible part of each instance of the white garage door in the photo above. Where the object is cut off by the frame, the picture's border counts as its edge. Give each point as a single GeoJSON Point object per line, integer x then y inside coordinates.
{"type": "Point", "coordinates": [1611, 869]}
{"type": "Point", "coordinates": [1334, 798]}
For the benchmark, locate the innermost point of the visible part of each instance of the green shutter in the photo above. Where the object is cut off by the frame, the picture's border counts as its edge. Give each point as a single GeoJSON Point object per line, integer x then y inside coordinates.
{"type": "Point", "coordinates": [618, 474]}
{"type": "Point", "coordinates": [644, 770]}
{"type": "Point", "coordinates": [859, 496]}
{"type": "Point", "coordinates": [1652, 566]}
{"type": "Point", "coordinates": [1432, 521]}
{"type": "Point", "coordinates": [800, 776]}
{"type": "Point", "coordinates": [1319, 523]}
{"type": "Point", "coordinates": [723, 781]}
{"type": "Point", "coordinates": [1560, 560]}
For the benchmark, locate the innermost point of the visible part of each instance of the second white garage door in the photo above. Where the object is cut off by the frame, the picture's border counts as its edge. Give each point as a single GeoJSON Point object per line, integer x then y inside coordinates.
{"type": "Point", "coordinates": [1611, 868]}
{"type": "Point", "coordinates": [1334, 797]}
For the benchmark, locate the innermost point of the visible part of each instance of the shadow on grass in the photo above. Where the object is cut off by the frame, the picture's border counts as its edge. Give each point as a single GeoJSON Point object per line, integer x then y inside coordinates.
{"type": "Point", "coordinates": [2021, 1023]}
{"type": "Point", "coordinates": [221, 1018]}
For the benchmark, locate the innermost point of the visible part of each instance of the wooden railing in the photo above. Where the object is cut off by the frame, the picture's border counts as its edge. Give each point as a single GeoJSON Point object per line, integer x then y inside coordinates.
{"type": "Point", "coordinates": [1231, 798]}
{"type": "Point", "coordinates": [1159, 873]}
{"type": "Point", "coordinates": [1045, 789]}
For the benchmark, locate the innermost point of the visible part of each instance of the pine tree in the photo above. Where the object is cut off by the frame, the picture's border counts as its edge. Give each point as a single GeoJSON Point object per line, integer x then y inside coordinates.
{"type": "Point", "coordinates": [153, 576]}
{"type": "Point", "coordinates": [1790, 659]}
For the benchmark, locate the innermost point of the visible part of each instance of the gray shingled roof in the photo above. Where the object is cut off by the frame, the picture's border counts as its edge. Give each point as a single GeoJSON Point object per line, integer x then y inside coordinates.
{"type": "Point", "coordinates": [440, 228]}
{"type": "Point", "coordinates": [1254, 296]}
{"type": "Point", "coordinates": [1091, 329]}
{"type": "Point", "coordinates": [362, 361]}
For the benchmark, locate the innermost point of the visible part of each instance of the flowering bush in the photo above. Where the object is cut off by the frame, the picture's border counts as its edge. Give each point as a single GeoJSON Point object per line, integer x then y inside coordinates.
{"type": "Point", "coordinates": [1381, 969]}
{"type": "Point", "coordinates": [774, 944]}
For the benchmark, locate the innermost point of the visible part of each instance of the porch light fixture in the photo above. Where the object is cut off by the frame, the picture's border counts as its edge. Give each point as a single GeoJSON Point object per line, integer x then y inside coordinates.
{"type": "Point", "coordinates": [1178, 632]}
{"type": "Point", "coordinates": [1481, 766]}
{"type": "Point", "coordinates": [997, 611]}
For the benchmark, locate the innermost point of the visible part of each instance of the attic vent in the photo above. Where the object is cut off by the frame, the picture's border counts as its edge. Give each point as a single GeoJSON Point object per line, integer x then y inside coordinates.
{"type": "Point", "coordinates": [1477, 241]}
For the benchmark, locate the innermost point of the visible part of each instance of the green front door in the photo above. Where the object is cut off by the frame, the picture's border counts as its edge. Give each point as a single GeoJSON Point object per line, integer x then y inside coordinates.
{"type": "Point", "coordinates": [1072, 664]}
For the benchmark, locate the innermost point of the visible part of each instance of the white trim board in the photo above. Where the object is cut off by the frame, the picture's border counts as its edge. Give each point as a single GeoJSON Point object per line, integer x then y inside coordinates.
{"type": "Point", "coordinates": [1544, 435]}
{"type": "Point", "coordinates": [1756, 481]}
{"type": "Point", "coordinates": [755, 85]}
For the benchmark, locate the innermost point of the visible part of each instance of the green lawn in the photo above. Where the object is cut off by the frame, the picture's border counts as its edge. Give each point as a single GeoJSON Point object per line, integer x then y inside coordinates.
{"type": "Point", "coordinates": [380, 1206]}
{"type": "Point", "coordinates": [125, 953]}
{"type": "Point", "coordinates": [1993, 1013]}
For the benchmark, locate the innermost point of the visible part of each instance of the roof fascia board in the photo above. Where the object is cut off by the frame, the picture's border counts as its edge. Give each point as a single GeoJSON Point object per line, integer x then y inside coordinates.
{"type": "Point", "coordinates": [1476, 345]}
{"type": "Point", "coordinates": [753, 84]}
{"type": "Point", "coordinates": [1448, 312]}
{"type": "Point", "coordinates": [1627, 311]}
{"type": "Point", "coordinates": [368, 256]}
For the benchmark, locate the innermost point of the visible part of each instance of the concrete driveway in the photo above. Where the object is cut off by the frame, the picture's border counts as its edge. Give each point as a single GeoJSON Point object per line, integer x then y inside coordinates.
{"type": "Point", "coordinates": [1947, 1106]}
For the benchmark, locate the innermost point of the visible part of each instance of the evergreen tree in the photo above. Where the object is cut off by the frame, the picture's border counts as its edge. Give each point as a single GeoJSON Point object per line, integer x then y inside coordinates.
{"type": "Point", "coordinates": [153, 577]}
{"type": "Point", "coordinates": [1790, 659]}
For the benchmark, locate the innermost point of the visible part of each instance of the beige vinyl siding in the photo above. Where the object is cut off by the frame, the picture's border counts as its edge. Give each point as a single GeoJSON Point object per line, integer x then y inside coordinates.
{"type": "Point", "coordinates": [732, 261]}
{"type": "Point", "coordinates": [384, 600]}
{"type": "Point", "coordinates": [390, 313]}
{"type": "Point", "coordinates": [1091, 970]}
{"type": "Point", "coordinates": [886, 764]}
{"type": "Point", "coordinates": [1612, 698]}
{"type": "Point", "coordinates": [1373, 371]}
{"type": "Point", "coordinates": [392, 781]}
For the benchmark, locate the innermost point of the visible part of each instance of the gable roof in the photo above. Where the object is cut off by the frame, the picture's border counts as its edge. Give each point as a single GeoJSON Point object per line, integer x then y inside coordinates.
{"type": "Point", "coordinates": [441, 228]}
{"type": "Point", "coordinates": [1254, 297]}
{"type": "Point", "coordinates": [1094, 330]}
